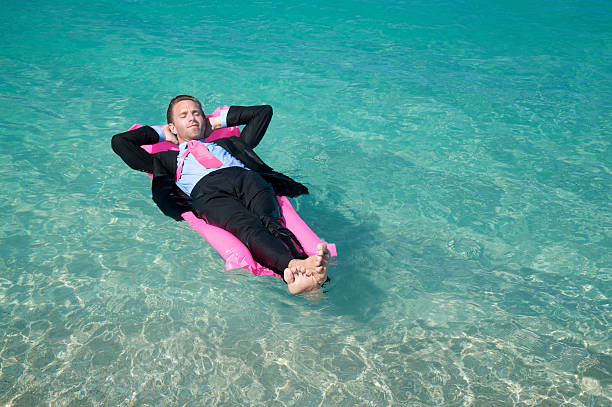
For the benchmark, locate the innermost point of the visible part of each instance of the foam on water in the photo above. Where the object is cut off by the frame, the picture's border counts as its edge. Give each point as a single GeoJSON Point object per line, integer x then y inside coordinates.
{"type": "Point", "coordinates": [458, 154]}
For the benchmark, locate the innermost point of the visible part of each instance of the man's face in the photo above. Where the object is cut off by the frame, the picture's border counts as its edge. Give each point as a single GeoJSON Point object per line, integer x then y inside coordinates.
{"type": "Point", "coordinates": [188, 121]}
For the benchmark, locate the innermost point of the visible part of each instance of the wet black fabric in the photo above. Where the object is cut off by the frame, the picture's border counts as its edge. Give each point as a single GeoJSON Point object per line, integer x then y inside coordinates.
{"type": "Point", "coordinates": [243, 203]}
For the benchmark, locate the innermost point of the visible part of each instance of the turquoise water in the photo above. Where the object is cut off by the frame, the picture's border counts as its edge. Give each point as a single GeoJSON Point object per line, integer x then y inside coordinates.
{"type": "Point", "coordinates": [457, 152]}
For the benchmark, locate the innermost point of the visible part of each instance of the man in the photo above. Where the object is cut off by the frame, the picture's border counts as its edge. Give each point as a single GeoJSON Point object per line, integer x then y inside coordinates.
{"type": "Point", "coordinates": [225, 183]}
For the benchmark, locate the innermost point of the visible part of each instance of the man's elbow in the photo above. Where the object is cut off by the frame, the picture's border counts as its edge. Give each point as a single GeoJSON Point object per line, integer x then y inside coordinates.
{"type": "Point", "coordinates": [117, 143]}
{"type": "Point", "coordinates": [267, 110]}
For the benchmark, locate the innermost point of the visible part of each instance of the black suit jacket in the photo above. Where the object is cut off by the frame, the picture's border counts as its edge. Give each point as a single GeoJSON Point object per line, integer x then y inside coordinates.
{"type": "Point", "coordinates": [168, 197]}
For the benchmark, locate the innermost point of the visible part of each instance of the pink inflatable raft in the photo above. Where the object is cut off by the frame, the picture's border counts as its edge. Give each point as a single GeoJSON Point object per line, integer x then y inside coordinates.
{"type": "Point", "coordinates": [233, 251]}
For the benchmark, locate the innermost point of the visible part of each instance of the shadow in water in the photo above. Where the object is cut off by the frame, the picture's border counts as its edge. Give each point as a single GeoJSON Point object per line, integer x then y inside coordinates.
{"type": "Point", "coordinates": [351, 290]}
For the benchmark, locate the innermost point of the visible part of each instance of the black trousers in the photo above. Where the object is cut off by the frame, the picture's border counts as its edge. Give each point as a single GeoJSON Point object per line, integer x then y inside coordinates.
{"type": "Point", "coordinates": [243, 203]}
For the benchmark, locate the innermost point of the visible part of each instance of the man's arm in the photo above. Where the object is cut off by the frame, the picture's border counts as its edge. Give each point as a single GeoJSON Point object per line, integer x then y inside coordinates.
{"type": "Point", "coordinates": [171, 200]}
{"type": "Point", "coordinates": [255, 119]}
{"type": "Point", "coordinates": [168, 197]}
{"type": "Point", "coordinates": [127, 146]}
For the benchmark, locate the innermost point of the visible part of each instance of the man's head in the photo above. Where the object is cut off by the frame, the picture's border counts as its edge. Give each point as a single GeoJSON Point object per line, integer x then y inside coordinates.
{"type": "Point", "coordinates": [186, 118]}
{"type": "Point", "coordinates": [177, 99]}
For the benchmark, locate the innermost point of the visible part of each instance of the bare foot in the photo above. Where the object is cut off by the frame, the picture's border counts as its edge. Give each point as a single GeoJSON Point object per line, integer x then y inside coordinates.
{"type": "Point", "coordinates": [288, 276]}
{"type": "Point", "coordinates": [298, 282]}
{"type": "Point", "coordinates": [322, 258]}
{"type": "Point", "coordinates": [308, 274]}
{"type": "Point", "coordinates": [323, 252]}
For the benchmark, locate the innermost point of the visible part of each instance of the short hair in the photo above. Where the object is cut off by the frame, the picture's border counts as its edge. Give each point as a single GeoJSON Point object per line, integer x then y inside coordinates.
{"type": "Point", "coordinates": [178, 99]}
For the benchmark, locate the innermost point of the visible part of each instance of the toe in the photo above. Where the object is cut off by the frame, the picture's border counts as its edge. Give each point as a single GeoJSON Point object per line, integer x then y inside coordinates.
{"type": "Point", "coordinates": [288, 275]}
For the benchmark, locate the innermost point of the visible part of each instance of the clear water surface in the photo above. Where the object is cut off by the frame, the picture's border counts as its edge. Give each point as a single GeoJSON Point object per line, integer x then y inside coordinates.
{"type": "Point", "coordinates": [457, 152]}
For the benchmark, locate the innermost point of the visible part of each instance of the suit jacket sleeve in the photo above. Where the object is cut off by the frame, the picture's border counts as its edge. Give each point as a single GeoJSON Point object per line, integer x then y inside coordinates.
{"type": "Point", "coordinates": [127, 146]}
{"type": "Point", "coordinates": [256, 120]}
{"type": "Point", "coordinates": [168, 197]}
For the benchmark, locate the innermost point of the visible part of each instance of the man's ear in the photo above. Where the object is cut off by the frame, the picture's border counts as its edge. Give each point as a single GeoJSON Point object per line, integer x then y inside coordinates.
{"type": "Point", "coordinates": [172, 128]}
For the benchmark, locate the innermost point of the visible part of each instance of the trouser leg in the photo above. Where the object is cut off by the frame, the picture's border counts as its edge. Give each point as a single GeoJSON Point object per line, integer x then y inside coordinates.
{"type": "Point", "coordinates": [258, 196]}
{"type": "Point", "coordinates": [231, 215]}
{"type": "Point", "coordinates": [236, 202]}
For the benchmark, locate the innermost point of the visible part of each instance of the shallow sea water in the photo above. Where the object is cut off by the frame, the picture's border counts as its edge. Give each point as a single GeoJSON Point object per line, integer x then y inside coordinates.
{"type": "Point", "coordinates": [458, 153]}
